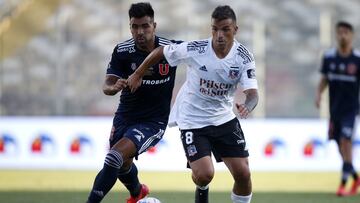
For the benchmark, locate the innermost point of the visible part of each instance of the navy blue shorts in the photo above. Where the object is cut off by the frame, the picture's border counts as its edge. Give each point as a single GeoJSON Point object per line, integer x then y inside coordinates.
{"type": "Point", "coordinates": [343, 127]}
{"type": "Point", "coordinates": [144, 134]}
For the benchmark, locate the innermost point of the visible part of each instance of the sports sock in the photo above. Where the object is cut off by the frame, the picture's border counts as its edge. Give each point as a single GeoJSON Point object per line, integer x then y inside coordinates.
{"type": "Point", "coordinates": [240, 199]}
{"type": "Point", "coordinates": [346, 171]}
{"type": "Point", "coordinates": [355, 176]}
{"type": "Point", "coordinates": [130, 180]}
{"type": "Point", "coordinates": [353, 172]}
{"type": "Point", "coordinates": [106, 178]}
{"type": "Point", "coordinates": [202, 194]}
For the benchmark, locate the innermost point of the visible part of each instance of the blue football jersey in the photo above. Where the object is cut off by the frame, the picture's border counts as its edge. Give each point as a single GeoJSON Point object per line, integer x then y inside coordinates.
{"type": "Point", "coordinates": [151, 101]}
{"type": "Point", "coordinates": [343, 76]}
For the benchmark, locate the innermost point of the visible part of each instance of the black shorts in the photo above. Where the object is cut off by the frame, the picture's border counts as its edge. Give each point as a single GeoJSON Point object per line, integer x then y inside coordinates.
{"type": "Point", "coordinates": [226, 140]}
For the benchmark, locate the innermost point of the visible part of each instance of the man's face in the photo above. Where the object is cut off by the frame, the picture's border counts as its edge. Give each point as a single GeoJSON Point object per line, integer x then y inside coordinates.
{"type": "Point", "coordinates": [223, 32]}
{"type": "Point", "coordinates": [344, 36]}
{"type": "Point", "coordinates": [142, 30]}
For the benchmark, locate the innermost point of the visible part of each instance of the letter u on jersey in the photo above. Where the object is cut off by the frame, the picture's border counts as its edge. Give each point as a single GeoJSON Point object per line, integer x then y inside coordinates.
{"type": "Point", "coordinates": [163, 69]}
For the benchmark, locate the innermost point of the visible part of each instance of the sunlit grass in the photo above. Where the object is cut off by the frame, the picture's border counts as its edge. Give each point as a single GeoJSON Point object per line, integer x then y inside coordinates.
{"type": "Point", "coordinates": [165, 181]}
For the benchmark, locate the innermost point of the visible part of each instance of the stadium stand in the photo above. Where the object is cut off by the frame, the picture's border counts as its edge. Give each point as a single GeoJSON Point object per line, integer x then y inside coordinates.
{"type": "Point", "coordinates": [60, 67]}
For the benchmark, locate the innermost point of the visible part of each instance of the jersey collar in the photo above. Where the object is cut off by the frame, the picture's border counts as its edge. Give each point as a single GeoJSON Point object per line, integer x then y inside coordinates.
{"type": "Point", "coordinates": [144, 52]}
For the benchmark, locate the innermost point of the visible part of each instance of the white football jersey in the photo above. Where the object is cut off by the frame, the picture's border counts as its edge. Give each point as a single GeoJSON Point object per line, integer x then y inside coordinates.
{"type": "Point", "coordinates": [206, 97]}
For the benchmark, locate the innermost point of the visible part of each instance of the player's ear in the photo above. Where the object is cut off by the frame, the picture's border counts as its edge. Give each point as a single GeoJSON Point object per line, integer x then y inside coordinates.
{"type": "Point", "coordinates": [235, 29]}
{"type": "Point", "coordinates": [154, 25]}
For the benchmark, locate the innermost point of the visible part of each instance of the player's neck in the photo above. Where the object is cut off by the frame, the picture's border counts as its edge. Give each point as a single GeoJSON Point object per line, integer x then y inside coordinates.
{"type": "Point", "coordinates": [344, 51]}
{"type": "Point", "coordinates": [147, 48]}
{"type": "Point", "coordinates": [222, 52]}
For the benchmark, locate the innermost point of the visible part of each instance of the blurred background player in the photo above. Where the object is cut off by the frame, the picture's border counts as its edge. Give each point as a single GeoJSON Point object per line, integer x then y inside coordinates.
{"type": "Point", "coordinates": [203, 107]}
{"type": "Point", "coordinates": [139, 121]}
{"type": "Point", "coordinates": [341, 72]}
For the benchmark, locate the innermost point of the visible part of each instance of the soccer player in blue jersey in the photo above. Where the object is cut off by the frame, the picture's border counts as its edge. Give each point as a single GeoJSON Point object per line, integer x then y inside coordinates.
{"type": "Point", "coordinates": [142, 116]}
{"type": "Point", "coordinates": [341, 72]}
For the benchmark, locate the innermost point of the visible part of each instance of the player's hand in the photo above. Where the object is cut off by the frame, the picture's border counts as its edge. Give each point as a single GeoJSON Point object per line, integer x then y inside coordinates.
{"type": "Point", "coordinates": [119, 85]}
{"type": "Point", "coordinates": [242, 110]}
{"type": "Point", "coordinates": [134, 81]}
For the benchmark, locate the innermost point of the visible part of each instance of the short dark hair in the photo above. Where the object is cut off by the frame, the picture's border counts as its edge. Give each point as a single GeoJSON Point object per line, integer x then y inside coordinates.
{"type": "Point", "coordinates": [344, 24]}
{"type": "Point", "coordinates": [142, 9]}
{"type": "Point", "coordinates": [223, 12]}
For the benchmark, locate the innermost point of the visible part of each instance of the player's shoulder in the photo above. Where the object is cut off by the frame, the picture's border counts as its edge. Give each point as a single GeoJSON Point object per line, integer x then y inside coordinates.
{"type": "Point", "coordinates": [125, 47]}
{"type": "Point", "coordinates": [164, 41]}
{"type": "Point", "coordinates": [245, 54]}
{"type": "Point", "coordinates": [330, 53]}
{"type": "Point", "coordinates": [198, 46]}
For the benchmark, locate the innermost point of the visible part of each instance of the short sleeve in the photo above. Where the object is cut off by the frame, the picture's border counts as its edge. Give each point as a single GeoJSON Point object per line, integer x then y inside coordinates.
{"type": "Point", "coordinates": [323, 66]}
{"type": "Point", "coordinates": [115, 64]}
{"type": "Point", "coordinates": [176, 53]}
{"type": "Point", "coordinates": [248, 77]}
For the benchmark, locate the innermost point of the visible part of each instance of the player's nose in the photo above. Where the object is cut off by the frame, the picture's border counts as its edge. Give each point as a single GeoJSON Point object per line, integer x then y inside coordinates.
{"type": "Point", "coordinates": [140, 31]}
{"type": "Point", "coordinates": [219, 35]}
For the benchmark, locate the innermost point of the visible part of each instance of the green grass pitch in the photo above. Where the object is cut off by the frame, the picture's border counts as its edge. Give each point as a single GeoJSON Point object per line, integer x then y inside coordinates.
{"type": "Point", "coordinates": [170, 187]}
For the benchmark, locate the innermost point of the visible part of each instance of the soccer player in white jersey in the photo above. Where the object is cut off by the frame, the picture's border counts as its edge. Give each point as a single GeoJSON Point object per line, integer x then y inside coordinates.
{"type": "Point", "coordinates": [203, 107]}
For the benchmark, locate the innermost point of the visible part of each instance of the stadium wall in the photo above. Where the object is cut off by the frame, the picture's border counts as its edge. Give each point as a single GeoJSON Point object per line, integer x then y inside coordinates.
{"type": "Point", "coordinates": [82, 142]}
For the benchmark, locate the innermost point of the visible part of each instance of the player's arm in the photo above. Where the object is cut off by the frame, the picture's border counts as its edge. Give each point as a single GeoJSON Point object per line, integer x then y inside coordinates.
{"type": "Point", "coordinates": [252, 98]}
{"type": "Point", "coordinates": [134, 80]}
{"type": "Point", "coordinates": [114, 81]}
{"type": "Point", "coordinates": [113, 85]}
{"type": "Point", "coordinates": [320, 89]}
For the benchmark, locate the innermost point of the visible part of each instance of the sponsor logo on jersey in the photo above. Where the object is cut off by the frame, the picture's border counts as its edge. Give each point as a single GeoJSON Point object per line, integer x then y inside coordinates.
{"type": "Point", "coordinates": [203, 68]}
{"type": "Point", "coordinates": [212, 88]}
{"type": "Point", "coordinates": [126, 49]}
{"type": "Point", "coordinates": [234, 72]}
{"type": "Point", "coordinates": [163, 69]}
{"type": "Point", "coordinates": [251, 73]}
{"type": "Point", "coordinates": [155, 82]}
{"type": "Point", "coordinates": [8, 145]}
{"type": "Point", "coordinates": [341, 77]}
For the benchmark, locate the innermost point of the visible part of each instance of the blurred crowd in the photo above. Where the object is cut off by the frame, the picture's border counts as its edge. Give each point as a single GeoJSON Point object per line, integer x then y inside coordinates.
{"type": "Point", "coordinates": [60, 70]}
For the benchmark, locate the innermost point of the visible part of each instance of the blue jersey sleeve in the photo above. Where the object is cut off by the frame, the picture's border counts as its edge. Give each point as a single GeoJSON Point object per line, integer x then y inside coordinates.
{"type": "Point", "coordinates": [116, 64]}
{"type": "Point", "coordinates": [323, 68]}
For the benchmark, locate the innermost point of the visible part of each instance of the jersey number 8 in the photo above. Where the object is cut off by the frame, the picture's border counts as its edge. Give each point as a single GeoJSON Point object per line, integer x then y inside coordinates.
{"type": "Point", "coordinates": [188, 137]}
